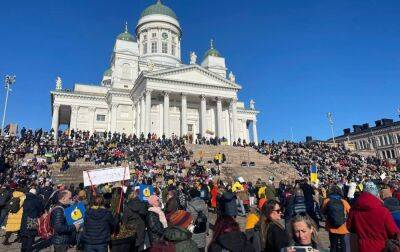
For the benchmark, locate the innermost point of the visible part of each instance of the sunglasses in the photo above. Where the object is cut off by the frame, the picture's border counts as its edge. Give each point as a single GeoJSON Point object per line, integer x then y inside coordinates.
{"type": "Point", "coordinates": [277, 211]}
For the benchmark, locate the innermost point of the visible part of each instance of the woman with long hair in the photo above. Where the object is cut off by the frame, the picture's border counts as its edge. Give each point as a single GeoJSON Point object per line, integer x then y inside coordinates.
{"type": "Point", "coordinates": [304, 233]}
{"type": "Point", "coordinates": [273, 234]}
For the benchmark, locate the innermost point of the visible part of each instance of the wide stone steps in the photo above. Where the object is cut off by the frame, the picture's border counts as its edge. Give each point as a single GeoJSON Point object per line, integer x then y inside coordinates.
{"type": "Point", "coordinates": [264, 167]}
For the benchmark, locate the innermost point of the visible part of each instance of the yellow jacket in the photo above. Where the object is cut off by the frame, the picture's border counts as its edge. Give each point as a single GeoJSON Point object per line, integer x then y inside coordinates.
{"type": "Point", "coordinates": [237, 187]}
{"type": "Point", "coordinates": [14, 219]}
{"type": "Point", "coordinates": [251, 221]}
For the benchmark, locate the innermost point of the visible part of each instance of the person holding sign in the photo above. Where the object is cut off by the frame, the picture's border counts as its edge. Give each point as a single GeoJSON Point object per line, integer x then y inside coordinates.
{"type": "Point", "coordinates": [98, 226]}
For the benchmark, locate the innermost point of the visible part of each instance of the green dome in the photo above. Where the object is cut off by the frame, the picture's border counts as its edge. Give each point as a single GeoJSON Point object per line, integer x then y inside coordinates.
{"type": "Point", "coordinates": [212, 51]}
{"type": "Point", "coordinates": [108, 72]}
{"type": "Point", "coordinates": [159, 8]}
{"type": "Point", "coordinates": [126, 35]}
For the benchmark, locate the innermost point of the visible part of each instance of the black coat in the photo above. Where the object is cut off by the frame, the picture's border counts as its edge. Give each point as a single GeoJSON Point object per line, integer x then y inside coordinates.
{"type": "Point", "coordinates": [135, 215]}
{"type": "Point", "coordinates": [155, 227]}
{"type": "Point", "coordinates": [227, 204]}
{"type": "Point", "coordinates": [64, 234]}
{"type": "Point", "coordinates": [5, 197]}
{"type": "Point", "coordinates": [33, 208]}
{"type": "Point", "coordinates": [232, 242]}
{"type": "Point", "coordinates": [98, 225]}
{"type": "Point", "coordinates": [276, 238]}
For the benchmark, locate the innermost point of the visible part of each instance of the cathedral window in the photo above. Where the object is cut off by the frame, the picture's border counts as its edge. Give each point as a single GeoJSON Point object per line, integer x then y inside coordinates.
{"type": "Point", "coordinates": [173, 50]}
{"type": "Point", "coordinates": [154, 35]}
{"type": "Point", "coordinates": [126, 71]}
{"type": "Point", "coordinates": [144, 37]}
{"type": "Point", "coordinates": [164, 47]}
{"type": "Point", "coordinates": [101, 118]}
{"type": "Point", "coordinates": [144, 48]}
{"type": "Point", "coordinates": [153, 47]}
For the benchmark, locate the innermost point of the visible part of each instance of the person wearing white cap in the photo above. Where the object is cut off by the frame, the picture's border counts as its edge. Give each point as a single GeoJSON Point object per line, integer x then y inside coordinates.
{"type": "Point", "coordinates": [33, 209]}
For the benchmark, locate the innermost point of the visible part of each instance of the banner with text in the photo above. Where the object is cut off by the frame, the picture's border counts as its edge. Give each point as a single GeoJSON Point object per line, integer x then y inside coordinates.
{"type": "Point", "coordinates": [107, 175]}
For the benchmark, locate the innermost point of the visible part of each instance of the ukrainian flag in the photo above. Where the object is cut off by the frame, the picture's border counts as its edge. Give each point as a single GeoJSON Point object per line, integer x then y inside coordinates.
{"type": "Point", "coordinates": [314, 174]}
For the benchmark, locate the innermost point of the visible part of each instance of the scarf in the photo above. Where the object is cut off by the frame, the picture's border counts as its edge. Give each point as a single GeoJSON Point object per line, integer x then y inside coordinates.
{"type": "Point", "coordinates": [161, 215]}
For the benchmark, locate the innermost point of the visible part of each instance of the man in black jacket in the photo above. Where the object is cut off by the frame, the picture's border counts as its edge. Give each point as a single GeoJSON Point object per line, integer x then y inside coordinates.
{"type": "Point", "coordinates": [33, 208]}
{"type": "Point", "coordinates": [63, 233]}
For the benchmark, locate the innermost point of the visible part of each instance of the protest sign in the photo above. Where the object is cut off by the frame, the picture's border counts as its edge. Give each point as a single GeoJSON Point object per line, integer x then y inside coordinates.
{"type": "Point", "coordinates": [107, 175]}
{"type": "Point", "coordinates": [145, 191]}
{"type": "Point", "coordinates": [75, 214]}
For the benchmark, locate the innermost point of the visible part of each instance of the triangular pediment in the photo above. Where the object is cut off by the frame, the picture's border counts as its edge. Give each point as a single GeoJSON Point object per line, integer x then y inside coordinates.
{"type": "Point", "coordinates": [194, 74]}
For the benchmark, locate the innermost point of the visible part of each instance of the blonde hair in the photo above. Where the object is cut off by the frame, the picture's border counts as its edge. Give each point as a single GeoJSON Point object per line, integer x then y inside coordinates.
{"type": "Point", "coordinates": [310, 224]}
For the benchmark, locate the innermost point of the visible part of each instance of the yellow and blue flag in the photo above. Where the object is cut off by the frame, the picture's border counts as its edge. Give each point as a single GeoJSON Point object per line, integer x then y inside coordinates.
{"type": "Point", "coordinates": [314, 174]}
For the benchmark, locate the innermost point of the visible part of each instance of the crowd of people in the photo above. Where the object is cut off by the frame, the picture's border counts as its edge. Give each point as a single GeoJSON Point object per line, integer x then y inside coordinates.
{"type": "Point", "coordinates": [191, 208]}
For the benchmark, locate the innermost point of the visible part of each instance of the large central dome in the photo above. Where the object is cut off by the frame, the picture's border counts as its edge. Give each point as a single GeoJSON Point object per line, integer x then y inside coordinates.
{"type": "Point", "coordinates": [158, 8]}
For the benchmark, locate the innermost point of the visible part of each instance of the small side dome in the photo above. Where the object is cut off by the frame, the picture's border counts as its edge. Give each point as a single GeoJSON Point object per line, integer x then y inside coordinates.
{"type": "Point", "coordinates": [159, 8]}
{"type": "Point", "coordinates": [108, 73]}
{"type": "Point", "coordinates": [126, 35]}
{"type": "Point", "coordinates": [212, 51]}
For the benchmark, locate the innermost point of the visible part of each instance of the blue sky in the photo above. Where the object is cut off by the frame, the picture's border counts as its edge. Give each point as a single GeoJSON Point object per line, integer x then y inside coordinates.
{"type": "Point", "coordinates": [297, 59]}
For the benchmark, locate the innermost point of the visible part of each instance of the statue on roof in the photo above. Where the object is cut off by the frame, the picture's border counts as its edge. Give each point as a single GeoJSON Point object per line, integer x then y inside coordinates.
{"type": "Point", "coordinates": [232, 77]}
{"type": "Point", "coordinates": [193, 58]}
{"type": "Point", "coordinates": [252, 102]}
{"type": "Point", "coordinates": [58, 83]}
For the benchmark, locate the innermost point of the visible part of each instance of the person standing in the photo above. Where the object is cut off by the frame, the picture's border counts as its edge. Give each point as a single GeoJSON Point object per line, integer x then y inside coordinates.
{"type": "Point", "coordinates": [337, 209]}
{"type": "Point", "coordinates": [15, 215]}
{"type": "Point", "coordinates": [273, 235]}
{"type": "Point", "coordinates": [64, 233]}
{"type": "Point", "coordinates": [98, 226]}
{"type": "Point", "coordinates": [33, 208]}
{"type": "Point", "coordinates": [371, 221]}
{"type": "Point", "coordinates": [198, 210]}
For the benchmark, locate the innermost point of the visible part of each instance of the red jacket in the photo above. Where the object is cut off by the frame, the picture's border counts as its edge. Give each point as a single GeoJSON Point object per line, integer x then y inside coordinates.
{"type": "Point", "coordinates": [372, 222]}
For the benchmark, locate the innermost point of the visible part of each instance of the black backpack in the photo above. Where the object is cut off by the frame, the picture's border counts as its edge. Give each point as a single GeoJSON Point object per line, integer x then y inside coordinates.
{"type": "Point", "coordinates": [14, 205]}
{"type": "Point", "coordinates": [200, 225]}
{"type": "Point", "coordinates": [335, 213]}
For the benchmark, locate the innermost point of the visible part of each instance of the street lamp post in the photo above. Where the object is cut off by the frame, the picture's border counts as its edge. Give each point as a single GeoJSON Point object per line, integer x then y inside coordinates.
{"type": "Point", "coordinates": [9, 80]}
{"type": "Point", "coordinates": [330, 120]}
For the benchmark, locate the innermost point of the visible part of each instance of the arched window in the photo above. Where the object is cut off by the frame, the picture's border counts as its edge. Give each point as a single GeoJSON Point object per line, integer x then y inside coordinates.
{"type": "Point", "coordinates": [126, 71]}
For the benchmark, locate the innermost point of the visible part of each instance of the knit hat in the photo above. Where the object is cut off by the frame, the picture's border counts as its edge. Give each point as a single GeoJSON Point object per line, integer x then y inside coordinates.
{"type": "Point", "coordinates": [181, 219]}
{"type": "Point", "coordinates": [371, 188]}
{"type": "Point", "coordinates": [153, 201]}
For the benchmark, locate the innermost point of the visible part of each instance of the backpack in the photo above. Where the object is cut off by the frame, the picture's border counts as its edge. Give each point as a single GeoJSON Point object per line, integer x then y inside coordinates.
{"type": "Point", "coordinates": [14, 205]}
{"type": "Point", "coordinates": [200, 224]}
{"type": "Point", "coordinates": [335, 213]}
{"type": "Point", "coordinates": [45, 230]}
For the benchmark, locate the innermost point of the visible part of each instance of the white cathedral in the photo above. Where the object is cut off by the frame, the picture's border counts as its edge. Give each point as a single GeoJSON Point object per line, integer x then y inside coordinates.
{"type": "Point", "coordinates": [148, 89]}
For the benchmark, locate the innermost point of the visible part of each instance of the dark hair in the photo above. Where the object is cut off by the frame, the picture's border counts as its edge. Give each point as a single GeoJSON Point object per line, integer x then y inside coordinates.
{"type": "Point", "coordinates": [98, 201]}
{"type": "Point", "coordinates": [224, 225]}
{"type": "Point", "coordinates": [194, 193]}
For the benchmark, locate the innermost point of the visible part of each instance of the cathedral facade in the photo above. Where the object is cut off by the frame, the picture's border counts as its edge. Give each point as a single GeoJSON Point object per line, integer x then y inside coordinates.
{"type": "Point", "coordinates": [148, 89]}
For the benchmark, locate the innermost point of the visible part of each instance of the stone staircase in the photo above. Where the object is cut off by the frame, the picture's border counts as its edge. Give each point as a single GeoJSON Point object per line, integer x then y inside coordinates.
{"type": "Point", "coordinates": [74, 175]}
{"type": "Point", "coordinates": [264, 167]}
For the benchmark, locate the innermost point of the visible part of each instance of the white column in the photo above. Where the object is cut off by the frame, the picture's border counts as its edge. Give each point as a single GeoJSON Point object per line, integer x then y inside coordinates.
{"type": "Point", "coordinates": [219, 118]}
{"type": "Point", "coordinates": [109, 119]}
{"type": "Point", "coordinates": [255, 136]}
{"type": "Point", "coordinates": [137, 125]}
{"type": "Point", "coordinates": [55, 121]}
{"type": "Point", "coordinates": [74, 117]}
{"type": "Point", "coordinates": [166, 115]}
{"type": "Point", "coordinates": [148, 112]}
{"type": "Point", "coordinates": [114, 108]}
{"type": "Point", "coordinates": [142, 117]}
{"type": "Point", "coordinates": [183, 115]}
{"type": "Point", "coordinates": [91, 119]}
{"type": "Point", "coordinates": [234, 120]}
{"type": "Point", "coordinates": [203, 110]}
{"type": "Point", "coordinates": [133, 118]}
